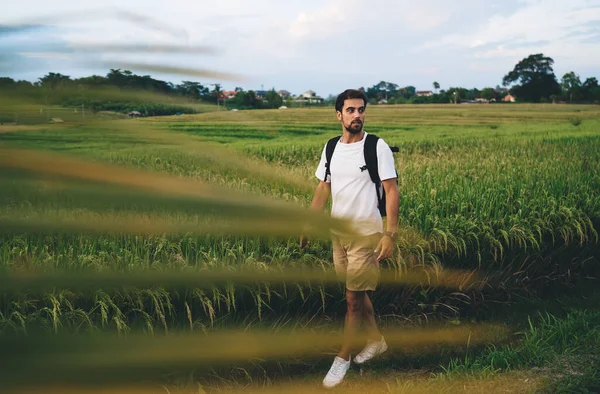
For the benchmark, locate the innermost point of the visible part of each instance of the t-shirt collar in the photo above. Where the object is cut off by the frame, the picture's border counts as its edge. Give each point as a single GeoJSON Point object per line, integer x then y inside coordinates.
{"type": "Point", "coordinates": [357, 142]}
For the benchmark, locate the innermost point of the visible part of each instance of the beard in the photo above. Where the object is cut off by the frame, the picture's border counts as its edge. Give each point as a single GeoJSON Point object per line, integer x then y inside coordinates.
{"type": "Point", "coordinates": [354, 128]}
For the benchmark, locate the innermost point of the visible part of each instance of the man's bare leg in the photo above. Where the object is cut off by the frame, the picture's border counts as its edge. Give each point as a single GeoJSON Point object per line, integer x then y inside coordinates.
{"type": "Point", "coordinates": [373, 332]}
{"type": "Point", "coordinates": [355, 301]}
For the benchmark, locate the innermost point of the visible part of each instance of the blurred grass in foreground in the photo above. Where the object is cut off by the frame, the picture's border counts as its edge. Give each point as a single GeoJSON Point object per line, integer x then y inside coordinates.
{"type": "Point", "coordinates": [30, 280]}
{"type": "Point", "coordinates": [514, 382]}
{"type": "Point", "coordinates": [104, 359]}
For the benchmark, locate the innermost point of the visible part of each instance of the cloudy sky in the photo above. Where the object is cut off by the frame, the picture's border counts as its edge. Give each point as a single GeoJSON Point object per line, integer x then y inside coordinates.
{"type": "Point", "coordinates": [323, 45]}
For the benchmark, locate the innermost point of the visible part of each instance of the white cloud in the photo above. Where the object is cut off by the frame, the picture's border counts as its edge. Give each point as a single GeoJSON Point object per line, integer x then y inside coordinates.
{"type": "Point", "coordinates": [428, 70]}
{"type": "Point", "coordinates": [324, 22]}
{"type": "Point", "coordinates": [326, 45]}
{"type": "Point", "coordinates": [45, 55]}
{"type": "Point", "coordinates": [537, 21]}
{"type": "Point", "coordinates": [375, 17]}
{"type": "Point", "coordinates": [562, 30]}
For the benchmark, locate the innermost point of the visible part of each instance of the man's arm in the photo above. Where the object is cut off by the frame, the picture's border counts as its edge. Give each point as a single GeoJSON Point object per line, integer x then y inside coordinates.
{"type": "Point", "coordinates": [386, 245]}
{"type": "Point", "coordinates": [322, 193]}
{"type": "Point", "coordinates": [392, 201]}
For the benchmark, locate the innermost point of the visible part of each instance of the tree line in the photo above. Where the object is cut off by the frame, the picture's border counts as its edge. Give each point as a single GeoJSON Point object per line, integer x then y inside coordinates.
{"type": "Point", "coordinates": [59, 89]}
{"type": "Point", "coordinates": [531, 80]}
{"type": "Point", "coordinates": [103, 93]}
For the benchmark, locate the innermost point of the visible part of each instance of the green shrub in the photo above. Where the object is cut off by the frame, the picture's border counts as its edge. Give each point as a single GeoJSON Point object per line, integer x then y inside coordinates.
{"type": "Point", "coordinates": [575, 121]}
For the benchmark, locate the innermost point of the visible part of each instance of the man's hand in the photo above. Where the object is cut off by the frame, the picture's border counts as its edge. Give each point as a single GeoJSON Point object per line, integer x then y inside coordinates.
{"type": "Point", "coordinates": [304, 242]}
{"type": "Point", "coordinates": [385, 248]}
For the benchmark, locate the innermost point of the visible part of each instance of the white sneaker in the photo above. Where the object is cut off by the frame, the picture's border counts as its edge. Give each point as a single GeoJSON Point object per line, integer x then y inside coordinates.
{"type": "Point", "coordinates": [373, 348]}
{"type": "Point", "coordinates": [336, 373]}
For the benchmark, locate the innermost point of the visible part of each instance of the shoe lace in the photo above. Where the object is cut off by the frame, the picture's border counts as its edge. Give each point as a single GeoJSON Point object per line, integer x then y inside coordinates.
{"type": "Point", "coordinates": [337, 367]}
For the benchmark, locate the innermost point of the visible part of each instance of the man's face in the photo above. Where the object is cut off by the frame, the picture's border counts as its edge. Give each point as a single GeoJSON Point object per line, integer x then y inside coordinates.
{"type": "Point", "coordinates": [352, 115]}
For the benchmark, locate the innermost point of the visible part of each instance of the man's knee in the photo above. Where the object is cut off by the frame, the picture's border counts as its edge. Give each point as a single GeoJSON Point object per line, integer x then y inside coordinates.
{"type": "Point", "coordinates": [355, 300]}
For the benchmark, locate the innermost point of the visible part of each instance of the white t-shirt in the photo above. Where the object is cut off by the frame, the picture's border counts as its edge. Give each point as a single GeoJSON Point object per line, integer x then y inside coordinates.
{"type": "Point", "coordinates": [353, 193]}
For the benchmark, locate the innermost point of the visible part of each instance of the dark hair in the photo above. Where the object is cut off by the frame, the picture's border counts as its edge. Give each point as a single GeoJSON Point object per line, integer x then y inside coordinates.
{"type": "Point", "coordinates": [349, 94]}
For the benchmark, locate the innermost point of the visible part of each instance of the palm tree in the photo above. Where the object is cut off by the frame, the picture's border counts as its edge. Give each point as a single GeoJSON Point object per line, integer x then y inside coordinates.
{"type": "Point", "coordinates": [216, 92]}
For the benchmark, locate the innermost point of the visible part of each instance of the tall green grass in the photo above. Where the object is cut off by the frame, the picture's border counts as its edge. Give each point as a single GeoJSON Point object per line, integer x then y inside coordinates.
{"type": "Point", "coordinates": [519, 202]}
{"type": "Point", "coordinates": [563, 349]}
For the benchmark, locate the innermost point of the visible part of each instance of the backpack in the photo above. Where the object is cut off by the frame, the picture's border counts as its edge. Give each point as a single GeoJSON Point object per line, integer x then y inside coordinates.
{"type": "Point", "coordinates": [370, 152]}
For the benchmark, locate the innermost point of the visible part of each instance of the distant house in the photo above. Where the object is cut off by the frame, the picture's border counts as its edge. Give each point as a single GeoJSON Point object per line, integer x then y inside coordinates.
{"type": "Point", "coordinates": [382, 101]}
{"type": "Point", "coordinates": [284, 94]}
{"type": "Point", "coordinates": [228, 94]}
{"type": "Point", "coordinates": [134, 114]}
{"type": "Point", "coordinates": [509, 98]}
{"type": "Point", "coordinates": [481, 100]}
{"type": "Point", "coordinates": [260, 94]}
{"type": "Point", "coordinates": [309, 94]}
{"type": "Point", "coordinates": [425, 93]}
{"type": "Point", "coordinates": [309, 97]}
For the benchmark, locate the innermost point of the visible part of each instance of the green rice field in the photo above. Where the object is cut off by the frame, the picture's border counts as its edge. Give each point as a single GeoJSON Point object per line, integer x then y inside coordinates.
{"type": "Point", "coordinates": [188, 226]}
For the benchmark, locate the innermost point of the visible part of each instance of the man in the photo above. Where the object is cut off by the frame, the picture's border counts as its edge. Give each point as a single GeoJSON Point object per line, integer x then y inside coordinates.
{"type": "Point", "coordinates": [355, 198]}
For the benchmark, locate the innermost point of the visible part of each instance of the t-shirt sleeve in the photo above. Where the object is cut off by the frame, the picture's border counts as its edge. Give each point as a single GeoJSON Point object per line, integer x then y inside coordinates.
{"type": "Point", "coordinates": [320, 173]}
{"type": "Point", "coordinates": [385, 161]}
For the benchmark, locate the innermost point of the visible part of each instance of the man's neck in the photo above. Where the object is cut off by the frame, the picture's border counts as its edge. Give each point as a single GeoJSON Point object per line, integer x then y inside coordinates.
{"type": "Point", "coordinates": [349, 138]}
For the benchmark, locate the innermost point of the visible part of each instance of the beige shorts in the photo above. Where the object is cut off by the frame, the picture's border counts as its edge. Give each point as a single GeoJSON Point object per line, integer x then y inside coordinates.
{"type": "Point", "coordinates": [355, 261]}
